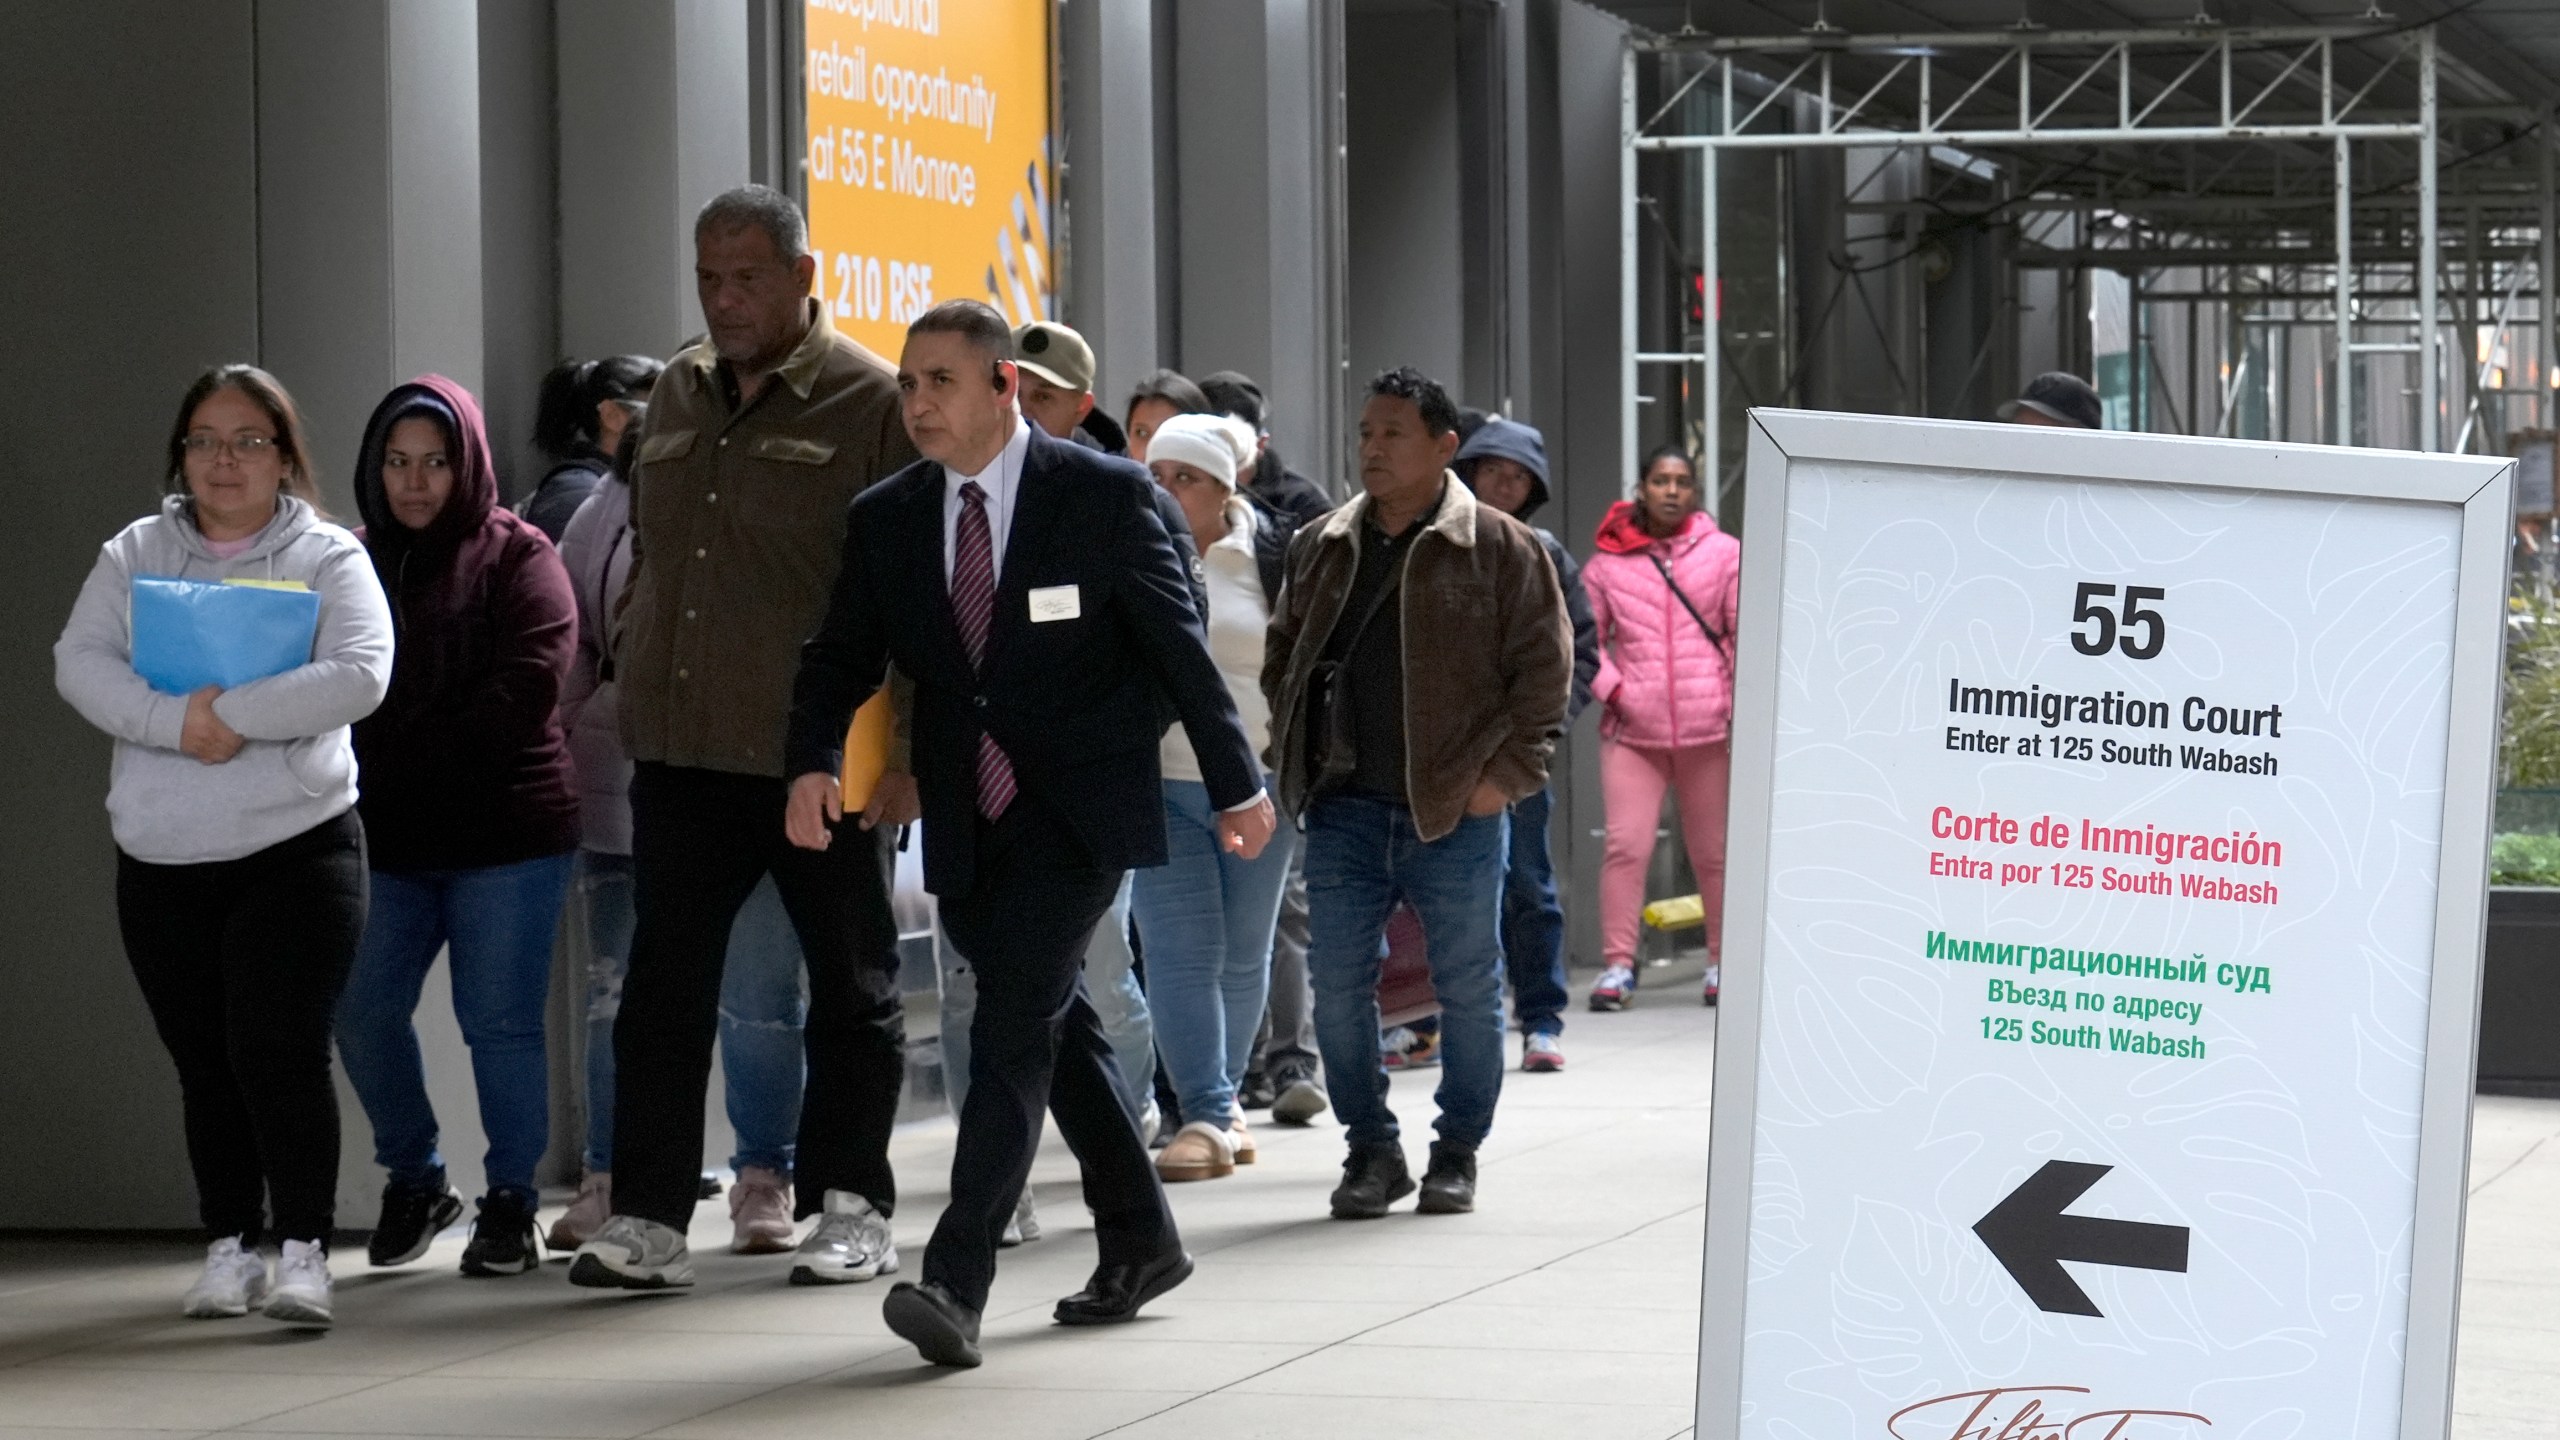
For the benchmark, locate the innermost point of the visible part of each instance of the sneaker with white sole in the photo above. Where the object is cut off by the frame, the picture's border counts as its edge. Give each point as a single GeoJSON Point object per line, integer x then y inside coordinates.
{"type": "Point", "coordinates": [234, 1282]}
{"type": "Point", "coordinates": [587, 1213]}
{"type": "Point", "coordinates": [1024, 1227]}
{"type": "Point", "coordinates": [1615, 987]}
{"type": "Point", "coordinates": [1541, 1054]}
{"type": "Point", "coordinates": [630, 1253]}
{"type": "Point", "coordinates": [851, 1242]}
{"type": "Point", "coordinates": [1715, 977]}
{"type": "Point", "coordinates": [760, 1212]}
{"type": "Point", "coordinates": [301, 1293]}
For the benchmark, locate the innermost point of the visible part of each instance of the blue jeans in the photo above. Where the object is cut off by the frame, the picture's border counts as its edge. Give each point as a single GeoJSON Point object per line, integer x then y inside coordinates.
{"type": "Point", "coordinates": [1533, 922]}
{"type": "Point", "coordinates": [1363, 855]}
{"type": "Point", "coordinates": [1206, 916]}
{"type": "Point", "coordinates": [498, 922]}
{"type": "Point", "coordinates": [1111, 984]}
{"type": "Point", "coordinates": [762, 1008]}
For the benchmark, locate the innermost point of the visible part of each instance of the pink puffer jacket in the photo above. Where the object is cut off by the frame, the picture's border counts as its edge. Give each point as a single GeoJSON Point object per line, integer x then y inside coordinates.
{"type": "Point", "coordinates": [1662, 686]}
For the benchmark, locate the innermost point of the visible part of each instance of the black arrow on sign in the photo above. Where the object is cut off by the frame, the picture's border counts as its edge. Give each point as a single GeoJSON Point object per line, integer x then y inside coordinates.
{"type": "Point", "coordinates": [2031, 1237]}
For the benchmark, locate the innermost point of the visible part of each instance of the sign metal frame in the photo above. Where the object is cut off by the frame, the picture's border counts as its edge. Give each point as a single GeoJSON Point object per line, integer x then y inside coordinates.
{"type": "Point", "coordinates": [2482, 487]}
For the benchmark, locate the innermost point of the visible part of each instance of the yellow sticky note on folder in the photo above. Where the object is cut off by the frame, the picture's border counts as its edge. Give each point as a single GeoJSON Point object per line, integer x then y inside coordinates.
{"type": "Point", "coordinates": [866, 749]}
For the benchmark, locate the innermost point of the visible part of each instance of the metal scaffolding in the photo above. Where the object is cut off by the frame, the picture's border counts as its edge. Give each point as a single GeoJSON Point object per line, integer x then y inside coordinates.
{"type": "Point", "coordinates": [2198, 150]}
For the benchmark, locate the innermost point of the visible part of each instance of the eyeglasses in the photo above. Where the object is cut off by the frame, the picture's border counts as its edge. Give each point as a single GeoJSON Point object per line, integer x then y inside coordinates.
{"type": "Point", "coordinates": [239, 447]}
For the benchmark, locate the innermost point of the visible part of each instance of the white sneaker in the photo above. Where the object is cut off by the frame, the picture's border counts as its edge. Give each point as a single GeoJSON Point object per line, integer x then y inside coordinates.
{"type": "Point", "coordinates": [1150, 1123]}
{"type": "Point", "coordinates": [1024, 1227]}
{"type": "Point", "coordinates": [301, 1296]}
{"type": "Point", "coordinates": [630, 1253]}
{"type": "Point", "coordinates": [233, 1283]}
{"type": "Point", "coordinates": [850, 1242]}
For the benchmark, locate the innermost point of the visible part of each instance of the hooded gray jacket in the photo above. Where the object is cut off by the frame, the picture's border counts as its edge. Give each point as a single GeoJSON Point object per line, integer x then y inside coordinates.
{"type": "Point", "coordinates": [298, 768]}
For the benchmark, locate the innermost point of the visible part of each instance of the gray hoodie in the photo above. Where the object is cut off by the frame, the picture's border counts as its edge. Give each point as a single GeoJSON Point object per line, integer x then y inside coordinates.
{"type": "Point", "coordinates": [298, 768]}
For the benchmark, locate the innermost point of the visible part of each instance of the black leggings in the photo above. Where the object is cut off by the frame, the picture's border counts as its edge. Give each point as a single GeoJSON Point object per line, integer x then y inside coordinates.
{"type": "Point", "coordinates": [241, 962]}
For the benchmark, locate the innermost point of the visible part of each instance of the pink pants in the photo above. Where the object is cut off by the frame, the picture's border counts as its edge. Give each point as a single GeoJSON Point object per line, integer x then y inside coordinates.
{"type": "Point", "coordinates": [1632, 782]}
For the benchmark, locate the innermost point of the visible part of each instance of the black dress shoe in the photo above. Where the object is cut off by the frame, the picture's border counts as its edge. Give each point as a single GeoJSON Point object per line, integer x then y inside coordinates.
{"type": "Point", "coordinates": [942, 1329]}
{"type": "Point", "coordinates": [1116, 1292]}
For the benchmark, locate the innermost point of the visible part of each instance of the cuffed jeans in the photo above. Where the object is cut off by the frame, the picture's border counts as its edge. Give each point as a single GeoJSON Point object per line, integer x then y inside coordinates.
{"type": "Point", "coordinates": [1363, 856]}
{"type": "Point", "coordinates": [1532, 921]}
{"type": "Point", "coordinates": [497, 924]}
{"type": "Point", "coordinates": [1111, 986]}
{"type": "Point", "coordinates": [1206, 915]}
{"type": "Point", "coordinates": [762, 1008]}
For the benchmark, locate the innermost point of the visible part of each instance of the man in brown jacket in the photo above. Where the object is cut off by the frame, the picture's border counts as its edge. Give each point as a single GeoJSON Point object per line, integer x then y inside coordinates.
{"type": "Point", "coordinates": [758, 439]}
{"type": "Point", "coordinates": [1417, 668]}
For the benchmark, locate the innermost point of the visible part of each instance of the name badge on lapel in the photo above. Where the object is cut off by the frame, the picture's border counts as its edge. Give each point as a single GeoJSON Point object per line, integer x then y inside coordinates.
{"type": "Point", "coordinates": [1056, 602]}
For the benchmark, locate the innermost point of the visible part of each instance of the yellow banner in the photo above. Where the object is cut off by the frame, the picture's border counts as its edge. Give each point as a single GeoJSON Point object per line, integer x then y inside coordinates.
{"type": "Point", "coordinates": [929, 159]}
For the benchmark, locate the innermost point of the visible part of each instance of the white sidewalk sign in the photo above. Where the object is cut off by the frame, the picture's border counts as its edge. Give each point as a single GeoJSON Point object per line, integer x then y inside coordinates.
{"type": "Point", "coordinates": [2108, 872]}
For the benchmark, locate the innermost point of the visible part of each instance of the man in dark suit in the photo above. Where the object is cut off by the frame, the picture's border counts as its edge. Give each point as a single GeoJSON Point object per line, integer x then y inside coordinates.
{"type": "Point", "coordinates": [1032, 592]}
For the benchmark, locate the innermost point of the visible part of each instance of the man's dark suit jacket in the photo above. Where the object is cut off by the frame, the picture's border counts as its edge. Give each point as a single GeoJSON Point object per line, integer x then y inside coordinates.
{"type": "Point", "coordinates": [1078, 705]}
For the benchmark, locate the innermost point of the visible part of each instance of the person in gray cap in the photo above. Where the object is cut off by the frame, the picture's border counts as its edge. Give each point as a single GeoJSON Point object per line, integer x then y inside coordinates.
{"type": "Point", "coordinates": [1505, 463]}
{"type": "Point", "coordinates": [2059, 398]}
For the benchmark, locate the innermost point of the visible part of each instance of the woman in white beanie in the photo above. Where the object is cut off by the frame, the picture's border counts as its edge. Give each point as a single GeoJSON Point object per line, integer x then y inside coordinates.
{"type": "Point", "coordinates": [1206, 915]}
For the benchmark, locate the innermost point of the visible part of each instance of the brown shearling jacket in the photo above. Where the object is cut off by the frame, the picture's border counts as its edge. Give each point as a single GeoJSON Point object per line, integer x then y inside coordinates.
{"type": "Point", "coordinates": [1488, 654]}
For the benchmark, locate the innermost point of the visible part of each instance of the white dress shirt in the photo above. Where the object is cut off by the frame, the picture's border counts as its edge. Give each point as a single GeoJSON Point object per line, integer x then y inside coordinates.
{"type": "Point", "coordinates": [1002, 480]}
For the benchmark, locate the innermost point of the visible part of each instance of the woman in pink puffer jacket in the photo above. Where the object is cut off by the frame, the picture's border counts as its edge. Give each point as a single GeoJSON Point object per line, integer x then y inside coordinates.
{"type": "Point", "coordinates": [1666, 692]}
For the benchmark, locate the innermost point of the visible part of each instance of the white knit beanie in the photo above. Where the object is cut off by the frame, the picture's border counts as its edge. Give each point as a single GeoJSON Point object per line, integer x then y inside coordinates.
{"type": "Point", "coordinates": [1218, 446]}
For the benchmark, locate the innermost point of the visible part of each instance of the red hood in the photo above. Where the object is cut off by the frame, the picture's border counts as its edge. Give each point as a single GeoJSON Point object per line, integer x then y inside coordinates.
{"type": "Point", "coordinates": [475, 476]}
{"type": "Point", "coordinates": [1622, 533]}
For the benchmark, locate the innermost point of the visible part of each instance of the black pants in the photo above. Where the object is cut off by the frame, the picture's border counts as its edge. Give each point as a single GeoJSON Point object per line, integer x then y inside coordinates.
{"type": "Point", "coordinates": [1036, 1044]}
{"type": "Point", "coordinates": [241, 962]}
{"type": "Point", "coordinates": [700, 840]}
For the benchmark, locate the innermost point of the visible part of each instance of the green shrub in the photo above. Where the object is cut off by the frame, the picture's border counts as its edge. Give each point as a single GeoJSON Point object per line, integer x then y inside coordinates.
{"type": "Point", "coordinates": [2524, 860]}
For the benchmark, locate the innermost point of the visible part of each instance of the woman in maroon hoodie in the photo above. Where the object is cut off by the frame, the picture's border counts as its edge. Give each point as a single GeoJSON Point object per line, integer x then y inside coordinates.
{"type": "Point", "coordinates": [468, 801]}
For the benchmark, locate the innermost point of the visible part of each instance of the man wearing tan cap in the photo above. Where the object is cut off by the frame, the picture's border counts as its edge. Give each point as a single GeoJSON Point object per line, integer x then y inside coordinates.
{"type": "Point", "coordinates": [1057, 386]}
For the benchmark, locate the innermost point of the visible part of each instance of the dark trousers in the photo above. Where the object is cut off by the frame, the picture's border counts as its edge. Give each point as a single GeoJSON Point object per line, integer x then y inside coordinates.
{"type": "Point", "coordinates": [241, 962]}
{"type": "Point", "coordinates": [1533, 922]}
{"type": "Point", "coordinates": [700, 840]}
{"type": "Point", "coordinates": [1037, 1044]}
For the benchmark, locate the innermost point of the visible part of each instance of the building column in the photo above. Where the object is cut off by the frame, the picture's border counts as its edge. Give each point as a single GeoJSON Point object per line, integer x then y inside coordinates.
{"type": "Point", "coordinates": [368, 207]}
{"type": "Point", "coordinates": [657, 115]}
{"type": "Point", "coordinates": [1256, 101]}
{"type": "Point", "coordinates": [1108, 186]}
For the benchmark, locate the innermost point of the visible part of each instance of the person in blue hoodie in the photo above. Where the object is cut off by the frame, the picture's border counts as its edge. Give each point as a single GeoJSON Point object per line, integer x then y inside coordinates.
{"type": "Point", "coordinates": [1505, 463]}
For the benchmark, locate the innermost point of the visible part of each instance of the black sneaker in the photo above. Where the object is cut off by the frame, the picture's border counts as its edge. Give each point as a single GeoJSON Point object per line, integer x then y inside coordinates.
{"type": "Point", "coordinates": [1449, 1184]}
{"type": "Point", "coordinates": [1257, 1092]}
{"type": "Point", "coordinates": [502, 1240]}
{"type": "Point", "coordinates": [411, 1220]}
{"type": "Point", "coordinates": [1373, 1178]}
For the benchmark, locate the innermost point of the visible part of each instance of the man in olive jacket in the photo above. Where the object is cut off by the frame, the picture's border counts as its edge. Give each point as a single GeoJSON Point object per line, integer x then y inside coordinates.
{"type": "Point", "coordinates": [1417, 666]}
{"type": "Point", "coordinates": [757, 440]}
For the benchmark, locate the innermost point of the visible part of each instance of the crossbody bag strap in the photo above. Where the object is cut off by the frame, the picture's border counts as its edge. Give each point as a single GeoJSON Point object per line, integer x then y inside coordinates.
{"type": "Point", "coordinates": [1685, 603]}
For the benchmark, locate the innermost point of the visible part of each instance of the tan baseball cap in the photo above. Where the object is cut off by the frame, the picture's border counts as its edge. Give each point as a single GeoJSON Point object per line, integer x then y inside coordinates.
{"type": "Point", "coordinates": [1054, 353]}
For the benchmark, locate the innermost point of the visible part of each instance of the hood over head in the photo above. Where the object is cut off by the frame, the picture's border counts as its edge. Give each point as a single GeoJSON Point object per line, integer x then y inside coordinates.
{"type": "Point", "coordinates": [475, 476]}
{"type": "Point", "coordinates": [1622, 530]}
{"type": "Point", "coordinates": [1513, 441]}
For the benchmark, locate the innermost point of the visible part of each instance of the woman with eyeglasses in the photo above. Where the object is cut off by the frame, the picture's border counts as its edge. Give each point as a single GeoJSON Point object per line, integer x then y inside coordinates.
{"type": "Point", "coordinates": [473, 813]}
{"type": "Point", "coordinates": [240, 864]}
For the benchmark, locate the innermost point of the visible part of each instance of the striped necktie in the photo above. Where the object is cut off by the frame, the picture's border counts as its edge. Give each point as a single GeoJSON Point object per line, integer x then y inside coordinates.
{"type": "Point", "coordinates": [973, 605]}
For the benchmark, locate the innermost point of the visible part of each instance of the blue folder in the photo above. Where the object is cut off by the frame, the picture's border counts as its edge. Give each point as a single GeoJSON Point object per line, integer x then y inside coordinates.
{"type": "Point", "coordinates": [188, 634]}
